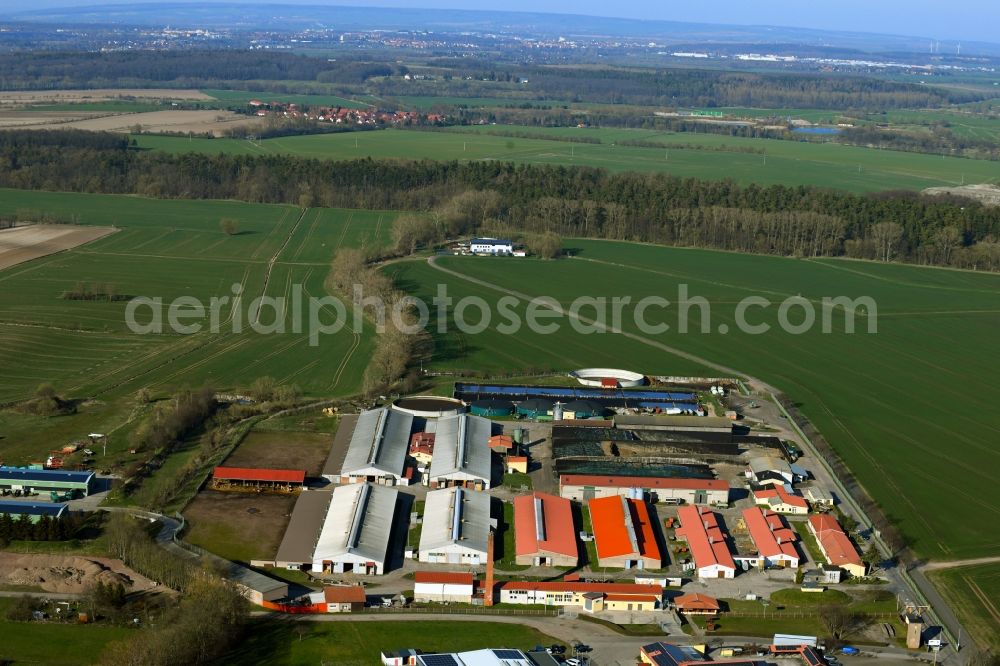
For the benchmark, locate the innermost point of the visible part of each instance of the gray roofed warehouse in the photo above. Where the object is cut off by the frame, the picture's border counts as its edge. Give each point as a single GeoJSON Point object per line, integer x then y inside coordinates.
{"type": "Point", "coordinates": [462, 452]}
{"type": "Point", "coordinates": [378, 446]}
{"type": "Point", "coordinates": [357, 530]}
{"type": "Point", "coordinates": [456, 527]}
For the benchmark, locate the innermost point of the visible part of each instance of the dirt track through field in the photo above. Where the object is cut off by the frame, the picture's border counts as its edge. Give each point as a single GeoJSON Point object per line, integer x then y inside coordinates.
{"type": "Point", "coordinates": [22, 244]}
{"type": "Point", "coordinates": [930, 566]}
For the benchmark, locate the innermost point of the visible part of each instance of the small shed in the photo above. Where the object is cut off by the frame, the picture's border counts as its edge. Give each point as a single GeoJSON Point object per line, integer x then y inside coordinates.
{"type": "Point", "coordinates": [517, 464]}
{"type": "Point", "coordinates": [344, 598]}
{"type": "Point", "coordinates": [501, 443]}
{"type": "Point", "coordinates": [696, 604]}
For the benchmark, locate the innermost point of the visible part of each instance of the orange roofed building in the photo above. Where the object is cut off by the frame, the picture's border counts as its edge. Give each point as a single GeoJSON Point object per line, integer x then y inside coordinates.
{"type": "Point", "coordinates": [700, 528]}
{"type": "Point", "coordinates": [543, 531]}
{"type": "Point", "coordinates": [837, 548]}
{"type": "Point", "coordinates": [344, 598]}
{"type": "Point", "coordinates": [780, 499]}
{"type": "Point", "coordinates": [696, 604]}
{"type": "Point", "coordinates": [624, 533]}
{"type": "Point", "coordinates": [774, 539]}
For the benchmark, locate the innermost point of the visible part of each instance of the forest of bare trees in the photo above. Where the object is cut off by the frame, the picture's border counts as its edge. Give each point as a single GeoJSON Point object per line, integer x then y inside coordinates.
{"type": "Point", "coordinates": [455, 198]}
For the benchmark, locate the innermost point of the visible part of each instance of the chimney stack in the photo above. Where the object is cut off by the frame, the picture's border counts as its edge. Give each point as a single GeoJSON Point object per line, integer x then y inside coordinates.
{"type": "Point", "coordinates": [488, 583]}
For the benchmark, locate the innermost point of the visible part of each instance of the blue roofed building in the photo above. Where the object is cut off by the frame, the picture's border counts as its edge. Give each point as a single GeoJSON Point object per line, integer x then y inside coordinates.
{"type": "Point", "coordinates": [46, 480]}
{"type": "Point", "coordinates": [34, 510]}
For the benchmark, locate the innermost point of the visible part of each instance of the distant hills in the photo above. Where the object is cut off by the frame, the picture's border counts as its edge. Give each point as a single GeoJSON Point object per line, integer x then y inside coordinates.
{"type": "Point", "coordinates": [297, 17]}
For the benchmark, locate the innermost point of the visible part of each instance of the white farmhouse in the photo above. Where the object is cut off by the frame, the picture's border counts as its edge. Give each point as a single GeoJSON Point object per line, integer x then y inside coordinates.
{"type": "Point", "coordinates": [491, 246]}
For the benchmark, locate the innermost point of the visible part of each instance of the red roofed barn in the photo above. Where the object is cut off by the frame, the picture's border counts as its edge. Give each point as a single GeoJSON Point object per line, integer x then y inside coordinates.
{"type": "Point", "coordinates": [544, 532]}
{"type": "Point", "coordinates": [774, 539]}
{"type": "Point", "coordinates": [838, 549]}
{"type": "Point", "coordinates": [443, 586]}
{"type": "Point", "coordinates": [257, 480]}
{"type": "Point", "coordinates": [700, 528]}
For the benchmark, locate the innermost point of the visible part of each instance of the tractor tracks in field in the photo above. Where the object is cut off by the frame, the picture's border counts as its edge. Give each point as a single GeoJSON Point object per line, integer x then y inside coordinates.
{"type": "Point", "coordinates": [255, 318]}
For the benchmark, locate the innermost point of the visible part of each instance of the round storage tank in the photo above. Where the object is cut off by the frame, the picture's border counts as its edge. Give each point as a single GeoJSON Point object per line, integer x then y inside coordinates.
{"type": "Point", "coordinates": [535, 407]}
{"type": "Point", "coordinates": [609, 378]}
{"type": "Point", "coordinates": [583, 409]}
{"type": "Point", "coordinates": [492, 408]}
{"type": "Point", "coordinates": [429, 406]}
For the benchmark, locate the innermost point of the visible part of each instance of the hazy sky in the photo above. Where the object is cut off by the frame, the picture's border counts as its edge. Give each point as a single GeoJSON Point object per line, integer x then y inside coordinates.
{"type": "Point", "coordinates": [955, 19]}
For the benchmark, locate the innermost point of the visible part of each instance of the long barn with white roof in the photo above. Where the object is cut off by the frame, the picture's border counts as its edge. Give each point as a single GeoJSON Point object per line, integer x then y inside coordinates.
{"type": "Point", "coordinates": [456, 527]}
{"type": "Point", "coordinates": [378, 447]}
{"type": "Point", "coordinates": [462, 453]}
{"type": "Point", "coordinates": [357, 530]}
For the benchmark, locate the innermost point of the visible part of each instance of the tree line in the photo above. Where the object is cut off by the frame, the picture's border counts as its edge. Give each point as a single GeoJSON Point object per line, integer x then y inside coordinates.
{"type": "Point", "coordinates": [40, 70]}
{"type": "Point", "coordinates": [568, 201]}
{"type": "Point", "coordinates": [244, 69]}
{"type": "Point", "coordinates": [674, 87]}
{"type": "Point", "coordinates": [47, 528]}
{"type": "Point", "coordinates": [396, 348]}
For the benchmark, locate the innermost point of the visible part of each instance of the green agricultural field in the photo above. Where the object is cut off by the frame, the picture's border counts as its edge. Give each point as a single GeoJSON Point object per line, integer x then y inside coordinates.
{"type": "Point", "coordinates": [358, 643]}
{"type": "Point", "coordinates": [167, 249]}
{"type": "Point", "coordinates": [231, 97]}
{"type": "Point", "coordinates": [711, 156]}
{"type": "Point", "coordinates": [910, 407]}
{"type": "Point", "coordinates": [974, 595]}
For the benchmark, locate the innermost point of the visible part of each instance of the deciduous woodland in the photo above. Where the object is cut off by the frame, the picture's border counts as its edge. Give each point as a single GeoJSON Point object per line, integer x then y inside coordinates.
{"type": "Point", "coordinates": [570, 201]}
{"type": "Point", "coordinates": [275, 72]}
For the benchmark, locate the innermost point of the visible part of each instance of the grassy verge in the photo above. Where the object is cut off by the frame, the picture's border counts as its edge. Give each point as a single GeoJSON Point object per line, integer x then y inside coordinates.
{"type": "Point", "coordinates": [591, 546]}
{"type": "Point", "coordinates": [517, 481]}
{"type": "Point", "coordinates": [761, 626]}
{"type": "Point", "coordinates": [359, 643]}
{"type": "Point", "coordinates": [810, 543]}
{"type": "Point", "coordinates": [794, 597]}
{"type": "Point", "coordinates": [413, 537]}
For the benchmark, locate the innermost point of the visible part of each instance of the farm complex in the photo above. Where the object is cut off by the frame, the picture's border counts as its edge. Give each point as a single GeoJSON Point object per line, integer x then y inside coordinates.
{"type": "Point", "coordinates": [472, 337]}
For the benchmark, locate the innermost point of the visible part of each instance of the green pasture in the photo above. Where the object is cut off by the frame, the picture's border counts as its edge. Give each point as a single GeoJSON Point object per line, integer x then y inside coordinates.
{"type": "Point", "coordinates": [231, 97]}
{"type": "Point", "coordinates": [910, 407]}
{"type": "Point", "coordinates": [709, 156]}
